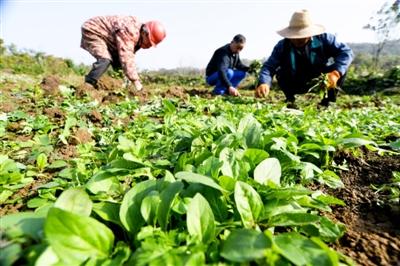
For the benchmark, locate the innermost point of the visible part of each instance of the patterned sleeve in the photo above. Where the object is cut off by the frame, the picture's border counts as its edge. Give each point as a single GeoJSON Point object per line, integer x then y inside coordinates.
{"type": "Point", "coordinates": [125, 36]}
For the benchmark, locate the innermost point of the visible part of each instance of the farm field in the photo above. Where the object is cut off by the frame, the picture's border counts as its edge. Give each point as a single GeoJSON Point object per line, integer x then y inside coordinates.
{"type": "Point", "coordinates": [172, 175]}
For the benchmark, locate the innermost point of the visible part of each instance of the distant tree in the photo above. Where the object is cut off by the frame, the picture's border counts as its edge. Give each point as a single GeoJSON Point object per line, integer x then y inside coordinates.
{"type": "Point", "coordinates": [385, 24]}
{"type": "Point", "coordinates": [2, 47]}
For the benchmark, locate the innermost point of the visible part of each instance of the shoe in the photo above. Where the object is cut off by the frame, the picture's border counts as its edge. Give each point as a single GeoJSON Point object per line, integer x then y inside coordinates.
{"type": "Point", "coordinates": [220, 91]}
{"type": "Point", "coordinates": [91, 81]}
{"type": "Point", "coordinates": [324, 102]}
{"type": "Point", "coordinates": [292, 105]}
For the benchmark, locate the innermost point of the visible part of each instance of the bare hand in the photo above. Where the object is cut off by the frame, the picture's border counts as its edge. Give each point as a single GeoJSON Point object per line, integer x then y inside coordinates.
{"type": "Point", "coordinates": [138, 85]}
{"type": "Point", "coordinates": [262, 90]}
{"type": "Point", "coordinates": [233, 92]}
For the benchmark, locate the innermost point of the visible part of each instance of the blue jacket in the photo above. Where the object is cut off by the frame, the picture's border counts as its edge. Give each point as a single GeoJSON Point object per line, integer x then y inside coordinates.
{"type": "Point", "coordinates": [319, 51]}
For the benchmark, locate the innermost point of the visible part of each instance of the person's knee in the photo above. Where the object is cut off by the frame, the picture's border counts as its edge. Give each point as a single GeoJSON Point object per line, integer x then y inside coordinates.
{"type": "Point", "coordinates": [240, 74]}
{"type": "Point", "coordinates": [212, 79]}
{"type": "Point", "coordinates": [230, 73]}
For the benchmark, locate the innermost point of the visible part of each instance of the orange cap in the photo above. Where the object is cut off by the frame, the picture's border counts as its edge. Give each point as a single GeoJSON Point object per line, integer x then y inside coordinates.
{"type": "Point", "coordinates": [156, 32]}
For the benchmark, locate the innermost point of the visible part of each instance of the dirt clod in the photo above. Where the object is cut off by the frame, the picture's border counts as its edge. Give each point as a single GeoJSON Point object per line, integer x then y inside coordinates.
{"type": "Point", "coordinates": [81, 136]}
{"type": "Point", "coordinates": [50, 85]}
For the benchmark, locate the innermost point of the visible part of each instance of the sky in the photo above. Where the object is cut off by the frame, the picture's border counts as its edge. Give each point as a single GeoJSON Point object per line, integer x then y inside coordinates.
{"type": "Point", "coordinates": [195, 29]}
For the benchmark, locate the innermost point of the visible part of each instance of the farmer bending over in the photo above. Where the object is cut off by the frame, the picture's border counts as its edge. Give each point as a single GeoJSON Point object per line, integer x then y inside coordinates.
{"type": "Point", "coordinates": [225, 70]}
{"type": "Point", "coordinates": [304, 53]}
{"type": "Point", "coordinates": [114, 40]}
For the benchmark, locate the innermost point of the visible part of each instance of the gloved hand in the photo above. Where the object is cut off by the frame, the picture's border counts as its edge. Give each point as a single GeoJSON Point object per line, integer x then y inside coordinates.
{"type": "Point", "coordinates": [234, 92]}
{"type": "Point", "coordinates": [262, 90]}
{"type": "Point", "coordinates": [138, 85]}
{"type": "Point", "coordinates": [333, 78]}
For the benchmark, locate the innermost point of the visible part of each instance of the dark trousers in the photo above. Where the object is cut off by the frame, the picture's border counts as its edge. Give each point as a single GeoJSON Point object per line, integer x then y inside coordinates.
{"type": "Point", "coordinates": [291, 87]}
{"type": "Point", "coordinates": [98, 69]}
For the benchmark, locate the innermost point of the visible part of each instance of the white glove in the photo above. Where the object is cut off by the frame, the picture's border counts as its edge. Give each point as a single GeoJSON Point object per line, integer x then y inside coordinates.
{"type": "Point", "coordinates": [138, 85]}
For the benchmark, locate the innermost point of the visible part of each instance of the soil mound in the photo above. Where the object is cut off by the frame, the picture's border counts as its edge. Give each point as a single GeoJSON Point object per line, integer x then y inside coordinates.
{"type": "Point", "coordinates": [373, 230]}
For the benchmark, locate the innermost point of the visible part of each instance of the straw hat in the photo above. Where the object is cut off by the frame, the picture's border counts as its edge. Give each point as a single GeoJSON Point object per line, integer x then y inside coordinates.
{"type": "Point", "coordinates": [300, 26]}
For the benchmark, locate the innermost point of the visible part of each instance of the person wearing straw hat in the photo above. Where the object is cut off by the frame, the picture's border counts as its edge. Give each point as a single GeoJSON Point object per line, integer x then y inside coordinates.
{"type": "Point", "coordinates": [305, 53]}
{"type": "Point", "coordinates": [114, 40]}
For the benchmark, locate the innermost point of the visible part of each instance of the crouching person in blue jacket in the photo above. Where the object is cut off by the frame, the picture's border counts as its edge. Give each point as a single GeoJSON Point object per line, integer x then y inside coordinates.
{"type": "Point", "coordinates": [225, 70]}
{"type": "Point", "coordinates": [304, 54]}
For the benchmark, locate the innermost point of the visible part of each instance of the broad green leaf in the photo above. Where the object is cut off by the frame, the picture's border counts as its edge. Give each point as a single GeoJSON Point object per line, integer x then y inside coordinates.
{"type": "Point", "coordinates": [75, 200]}
{"type": "Point", "coordinates": [120, 255]}
{"type": "Point", "coordinates": [307, 170]}
{"type": "Point", "coordinates": [123, 164]}
{"type": "Point", "coordinates": [23, 224]}
{"type": "Point", "coordinates": [248, 204]}
{"type": "Point", "coordinates": [149, 206]}
{"type": "Point", "coordinates": [218, 204]}
{"type": "Point", "coordinates": [224, 125]}
{"type": "Point", "coordinates": [233, 165]}
{"type": "Point", "coordinates": [132, 158]}
{"type": "Point", "coordinates": [355, 142]}
{"type": "Point", "coordinates": [280, 144]}
{"type": "Point", "coordinates": [69, 123]}
{"type": "Point", "coordinates": [227, 157]}
{"type": "Point", "coordinates": [268, 170]}
{"type": "Point", "coordinates": [326, 230]}
{"type": "Point", "coordinates": [274, 207]}
{"type": "Point", "coordinates": [9, 171]}
{"type": "Point", "coordinates": [287, 193]}
{"type": "Point", "coordinates": [180, 205]}
{"type": "Point", "coordinates": [48, 258]}
{"type": "Point", "coordinates": [108, 211]}
{"type": "Point", "coordinates": [331, 200]}
{"type": "Point", "coordinates": [300, 250]}
{"type": "Point", "coordinates": [210, 167]}
{"type": "Point", "coordinates": [395, 145]}
{"type": "Point", "coordinates": [196, 259]}
{"type": "Point", "coordinates": [75, 238]}
{"type": "Point", "coordinates": [255, 156]}
{"type": "Point", "coordinates": [37, 202]}
{"type": "Point", "coordinates": [41, 161]}
{"type": "Point", "coordinates": [200, 219]}
{"type": "Point", "coordinates": [330, 231]}
{"type": "Point", "coordinates": [331, 179]}
{"type": "Point", "coordinates": [125, 144]}
{"type": "Point", "coordinates": [309, 202]}
{"type": "Point", "coordinates": [104, 183]}
{"type": "Point", "coordinates": [310, 147]}
{"type": "Point", "coordinates": [129, 212]}
{"type": "Point", "coordinates": [196, 178]}
{"type": "Point", "coordinates": [167, 196]}
{"type": "Point", "coordinates": [251, 130]}
{"type": "Point", "coordinates": [225, 141]}
{"type": "Point", "coordinates": [58, 164]}
{"type": "Point", "coordinates": [169, 107]}
{"type": "Point", "coordinates": [245, 245]}
{"type": "Point", "coordinates": [227, 183]}
{"type": "Point", "coordinates": [293, 219]}
{"type": "Point", "coordinates": [10, 253]}
{"type": "Point", "coordinates": [4, 195]}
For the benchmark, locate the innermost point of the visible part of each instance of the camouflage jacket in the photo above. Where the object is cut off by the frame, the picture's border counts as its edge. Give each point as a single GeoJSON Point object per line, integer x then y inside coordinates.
{"type": "Point", "coordinates": [114, 38]}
